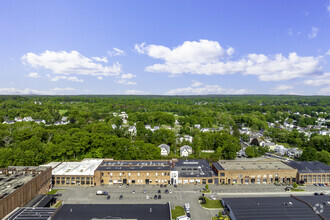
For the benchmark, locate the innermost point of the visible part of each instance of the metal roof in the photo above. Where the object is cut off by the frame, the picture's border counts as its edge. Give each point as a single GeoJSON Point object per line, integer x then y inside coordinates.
{"type": "Point", "coordinates": [272, 208]}
{"type": "Point", "coordinates": [309, 166]}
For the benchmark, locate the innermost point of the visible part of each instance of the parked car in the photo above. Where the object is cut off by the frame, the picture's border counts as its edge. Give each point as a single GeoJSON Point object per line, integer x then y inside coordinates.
{"type": "Point", "coordinates": [287, 189]}
{"type": "Point", "coordinates": [120, 185]}
{"type": "Point", "coordinates": [159, 191]}
{"type": "Point", "coordinates": [166, 191]}
{"type": "Point", "coordinates": [155, 197]}
{"type": "Point", "coordinates": [108, 197]}
{"type": "Point", "coordinates": [105, 193]}
{"type": "Point", "coordinates": [161, 186]}
{"type": "Point", "coordinates": [127, 185]}
{"type": "Point", "coordinates": [213, 197]}
{"type": "Point", "coordinates": [159, 196]}
{"type": "Point", "coordinates": [170, 191]}
{"type": "Point", "coordinates": [165, 185]}
{"type": "Point", "coordinates": [133, 192]}
{"type": "Point", "coordinates": [316, 194]}
{"type": "Point", "coordinates": [121, 197]}
{"type": "Point", "coordinates": [144, 191]}
{"type": "Point", "coordinates": [147, 197]}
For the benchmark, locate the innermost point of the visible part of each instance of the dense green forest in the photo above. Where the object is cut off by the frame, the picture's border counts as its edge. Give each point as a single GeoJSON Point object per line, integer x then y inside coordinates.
{"type": "Point", "coordinates": [90, 131]}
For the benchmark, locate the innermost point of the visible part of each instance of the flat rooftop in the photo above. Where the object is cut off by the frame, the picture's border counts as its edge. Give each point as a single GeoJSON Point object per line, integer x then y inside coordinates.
{"type": "Point", "coordinates": [17, 177]}
{"type": "Point", "coordinates": [83, 168]}
{"type": "Point", "coordinates": [32, 214]}
{"type": "Point", "coordinates": [309, 166]}
{"type": "Point", "coordinates": [135, 165]}
{"type": "Point", "coordinates": [252, 165]}
{"type": "Point", "coordinates": [274, 208]}
{"type": "Point", "coordinates": [193, 168]}
{"type": "Point", "coordinates": [114, 211]}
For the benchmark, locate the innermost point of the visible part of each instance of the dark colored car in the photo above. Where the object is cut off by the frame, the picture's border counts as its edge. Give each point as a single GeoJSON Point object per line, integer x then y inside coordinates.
{"type": "Point", "coordinates": [166, 191]}
{"type": "Point", "coordinates": [159, 191]}
{"type": "Point", "coordinates": [165, 185]}
{"type": "Point", "coordinates": [108, 197]}
{"type": "Point", "coordinates": [316, 194]}
{"type": "Point", "coordinates": [155, 197]}
{"type": "Point", "coordinates": [175, 186]}
{"type": "Point", "coordinates": [188, 214]}
{"type": "Point", "coordinates": [105, 193]}
{"type": "Point", "coordinates": [159, 196]}
{"type": "Point", "coordinates": [127, 185]}
{"type": "Point", "coordinates": [161, 186]}
{"type": "Point", "coordinates": [121, 197]}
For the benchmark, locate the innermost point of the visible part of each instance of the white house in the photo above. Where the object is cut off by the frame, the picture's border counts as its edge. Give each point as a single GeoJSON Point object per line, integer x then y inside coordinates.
{"type": "Point", "coordinates": [294, 152]}
{"type": "Point", "coordinates": [271, 145]}
{"type": "Point", "coordinates": [280, 149]}
{"type": "Point", "coordinates": [186, 138]}
{"type": "Point", "coordinates": [28, 118]}
{"type": "Point", "coordinates": [114, 126]}
{"type": "Point", "coordinates": [198, 126]}
{"type": "Point", "coordinates": [132, 130]}
{"type": "Point", "coordinates": [164, 149]}
{"type": "Point", "coordinates": [8, 122]}
{"type": "Point", "coordinates": [241, 153]}
{"type": "Point", "coordinates": [185, 151]}
{"type": "Point", "coordinates": [40, 121]}
{"type": "Point", "coordinates": [18, 119]}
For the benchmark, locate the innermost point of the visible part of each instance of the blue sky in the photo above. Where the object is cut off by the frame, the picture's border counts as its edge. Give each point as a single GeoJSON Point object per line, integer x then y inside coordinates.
{"type": "Point", "coordinates": [165, 47]}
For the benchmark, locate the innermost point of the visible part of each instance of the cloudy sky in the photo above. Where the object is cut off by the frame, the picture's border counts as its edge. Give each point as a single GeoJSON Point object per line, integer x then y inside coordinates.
{"type": "Point", "coordinates": [163, 47]}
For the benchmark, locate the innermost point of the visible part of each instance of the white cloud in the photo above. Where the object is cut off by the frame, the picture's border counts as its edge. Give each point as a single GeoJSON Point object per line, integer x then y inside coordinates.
{"type": "Point", "coordinates": [126, 82]}
{"type": "Point", "coordinates": [100, 59]}
{"type": "Point", "coordinates": [34, 75]}
{"type": "Point", "coordinates": [209, 58]}
{"type": "Point", "coordinates": [116, 52]}
{"type": "Point", "coordinates": [328, 52]}
{"type": "Point", "coordinates": [313, 33]}
{"type": "Point", "coordinates": [68, 63]}
{"type": "Point", "coordinates": [28, 91]}
{"type": "Point", "coordinates": [328, 7]}
{"type": "Point", "coordinates": [140, 48]}
{"type": "Point", "coordinates": [202, 89]}
{"type": "Point", "coordinates": [290, 32]}
{"type": "Point", "coordinates": [100, 78]}
{"type": "Point", "coordinates": [128, 76]}
{"type": "Point", "coordinates": [135, 92]}
{"type": "Point", "coordinates": [325, 91]}
{"type": "Point", "coordinates": [322, 80]}
{"type": "Point", "coordinates": [282, 87]}
{"type": "Point", "coordinates": [69, 78]}
{"type": "Point", "coordinates": [196, 84]}
{"type": "Point", "coordinates": [125, 79]}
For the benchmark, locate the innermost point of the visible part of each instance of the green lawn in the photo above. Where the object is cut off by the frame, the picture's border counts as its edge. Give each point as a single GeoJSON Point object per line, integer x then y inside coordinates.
{"type": "Point", "coordinates": [177, 211]}
{"type": "Point", "coordinates": [62, 111]}
{"type": "Point", "coordinates": [58, 204]}
{"type": "Point", "coordinates": [212, 204]}
{"type": "Point", "coordinates": [54, 191]}
{"type": "Point", "coordinates": [207, 191]}
{"type": "Point", "coordinates": [297, 190]}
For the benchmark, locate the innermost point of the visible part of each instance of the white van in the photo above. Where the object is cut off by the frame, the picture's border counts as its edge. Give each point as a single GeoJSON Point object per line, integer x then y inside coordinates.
{"type": "Point", "coordinates": [99, 192]}
{"type": "Point", "coordinates": [183, 217]}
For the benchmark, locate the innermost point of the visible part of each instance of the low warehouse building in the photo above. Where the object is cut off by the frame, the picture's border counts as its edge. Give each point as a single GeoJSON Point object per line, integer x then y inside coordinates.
{"type": "Point", "coordinates": [133, 172]}
{"type": "Point", "coordinates": [254, 171]}
{"type": "Point", "coordinates": [311, 172]}
{"type": "Point", "coordinates": [75, 173]}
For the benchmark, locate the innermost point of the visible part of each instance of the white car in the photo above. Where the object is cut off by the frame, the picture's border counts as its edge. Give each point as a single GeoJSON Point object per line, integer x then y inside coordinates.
{"type": "Point", "coordinates": [213, 197]}
{"type": "Point", "coordinates": [147, 197]}
{"type": "Point", "coordinates": [133, 192]}
{"type": "Point", "coordinates": [170, 191]}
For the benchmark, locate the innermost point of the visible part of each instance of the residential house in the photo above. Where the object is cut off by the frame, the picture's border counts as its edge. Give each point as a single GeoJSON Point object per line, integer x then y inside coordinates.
{"type": "Point", "coordinates": [18, 119]}
{"type": "Point", "coordinates": [40, 121]}
{"type": "Point", "coordinates": [186, 138]}
{"type": "Point", "coordinates": [29, 118]}
{"type": "Point", "coordinates": [241, 153]}
{"type": "Point", "coordinates": [9, 122]}
{"type": "Point", "coordinates": [185, 151]}
{"type": "Point", "coordinates": [280, 149]}
{"type": "Point", "coordinates": [165, 149]}
{"type": "Point", "coordinates": [198, 126]}
{"type": "Point", "coordinates": [294, 152]}
{"type": "Point", "coordinates": [114, 126]}
{"type": "Point", "coordinates": [132, 130]}
{"type": "Point", "coordinates": [270, 145]}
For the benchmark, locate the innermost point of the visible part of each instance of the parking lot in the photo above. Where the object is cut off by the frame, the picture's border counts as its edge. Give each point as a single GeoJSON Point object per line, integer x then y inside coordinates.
{"type": "Point", "coordinates": [179, 195]}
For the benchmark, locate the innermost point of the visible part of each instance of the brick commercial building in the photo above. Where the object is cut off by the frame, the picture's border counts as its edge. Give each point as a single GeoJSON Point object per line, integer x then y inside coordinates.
{"type": "Point", "coordinates": [311, 172]}
{"type": "Point", "coordinates": [254, 172]}
{"type": "Point", "coordinates": [133, 172]}
{"type": "Point", "coordinates": [18, 185]}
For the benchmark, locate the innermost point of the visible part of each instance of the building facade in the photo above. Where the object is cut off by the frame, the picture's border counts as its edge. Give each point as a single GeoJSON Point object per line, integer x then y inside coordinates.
{"type": "Point", "coordinates": [254, 172]}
